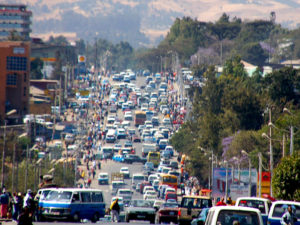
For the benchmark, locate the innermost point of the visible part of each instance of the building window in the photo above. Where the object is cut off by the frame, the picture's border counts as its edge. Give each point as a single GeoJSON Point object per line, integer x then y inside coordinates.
{"type": "Point", "coordinates": [25, 89]}
{"type": "Point", "coordinates": [16, 63]}
{"type": "Point", "coordinates": [11, 79]}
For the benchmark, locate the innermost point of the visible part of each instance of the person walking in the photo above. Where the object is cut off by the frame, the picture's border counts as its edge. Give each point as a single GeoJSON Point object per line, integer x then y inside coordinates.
{"type": "Point", "coordinates": [289, 217]}
{"type": "Point", "coordinates": [4, 200]}
{"type": "Point", "coordinates": [115, 210]}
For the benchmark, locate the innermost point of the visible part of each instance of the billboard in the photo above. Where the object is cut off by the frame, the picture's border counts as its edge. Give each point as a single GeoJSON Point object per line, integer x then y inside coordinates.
{"type": "Point", "coordinates": [237, 183]}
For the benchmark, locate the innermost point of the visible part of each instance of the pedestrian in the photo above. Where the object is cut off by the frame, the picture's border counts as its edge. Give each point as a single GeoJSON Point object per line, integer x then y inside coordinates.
{"type": "Point", "coordinates": [289, 217]}
{"type": "Point", "coordinates": [89, 182]}
{"type": "Point", "coordinates": [4, 200]}
{"type": "Point", "coordinates": [115, 210]}
{"type": "Point", "coordinates": [99, 165]}
{"type": "Point", "coordinates": [221, 202]}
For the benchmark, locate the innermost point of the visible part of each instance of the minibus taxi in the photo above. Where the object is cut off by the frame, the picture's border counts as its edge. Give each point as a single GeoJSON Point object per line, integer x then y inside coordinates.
{"type": "Point", "coordinates": [73, 204]}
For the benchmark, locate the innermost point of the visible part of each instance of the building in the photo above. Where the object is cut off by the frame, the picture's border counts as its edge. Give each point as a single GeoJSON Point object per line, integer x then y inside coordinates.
{"type": "Point", "coordinates": [14, 18]}
{"type": "Point", "coordinates": [14, 78]}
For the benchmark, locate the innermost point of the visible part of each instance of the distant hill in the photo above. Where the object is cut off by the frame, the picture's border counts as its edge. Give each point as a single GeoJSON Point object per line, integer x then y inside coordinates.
{"type": "Point", "coordinates": [144, 22]}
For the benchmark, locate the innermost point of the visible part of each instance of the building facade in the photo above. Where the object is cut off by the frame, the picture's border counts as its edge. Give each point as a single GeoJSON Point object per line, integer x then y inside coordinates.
{"type": "Point", "coordinates": [14, 18]}
{"type": "Point", "coordinates": [14, 78]}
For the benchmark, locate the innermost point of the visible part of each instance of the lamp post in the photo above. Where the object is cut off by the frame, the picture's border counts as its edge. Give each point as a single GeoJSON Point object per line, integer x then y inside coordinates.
{"type": "Point", "coordinates": [260, 173]}
{"type": "Point", "coordinates": [226, 179]}
{"type": "Point", "coordinates": [250, 175]}
{"type": "Point", "coordinates": [291, 132]}
{"type": "Point", "coordinates": [3, 151]}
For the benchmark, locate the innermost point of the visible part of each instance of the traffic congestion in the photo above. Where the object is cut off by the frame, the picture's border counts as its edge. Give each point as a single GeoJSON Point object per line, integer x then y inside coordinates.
{"type": "Point", "coordinates": [127, 170]}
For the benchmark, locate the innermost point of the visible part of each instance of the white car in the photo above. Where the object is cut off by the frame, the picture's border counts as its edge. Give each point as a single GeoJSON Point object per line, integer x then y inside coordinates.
{"type": "Point", "coordinates": [150, 194]}
{"type": "Point", "coordinates": [148, 188]}
{"type": "Point", "coordinates": [125, 172]}
{"type": "Point", "coordinates": [126, 194]}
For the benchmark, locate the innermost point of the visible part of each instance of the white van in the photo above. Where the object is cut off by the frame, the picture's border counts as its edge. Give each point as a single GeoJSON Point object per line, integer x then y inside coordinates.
{"type": "Point", "coordinates": [148, 148]}
{"type": "Point", "coordinates": [110, 136]}
{"type": "Point", "coordinates": [232, 214]}
{"type": "Point", "coordinates": [137, 178]}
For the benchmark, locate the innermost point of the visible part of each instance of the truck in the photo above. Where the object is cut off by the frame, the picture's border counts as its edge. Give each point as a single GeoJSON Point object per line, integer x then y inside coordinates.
{"type": "Point", "coordinates": [148, 148]}
{"type": "Point", "coordinates": [117, 182]}
{"type": "Point", "coordinates": [117, 176]}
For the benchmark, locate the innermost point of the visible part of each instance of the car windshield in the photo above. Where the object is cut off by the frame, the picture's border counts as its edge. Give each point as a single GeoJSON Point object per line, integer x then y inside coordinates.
{"type": "Point", "coordinates": [243, 217]}
{"type": "Point", "coordinates": [142, 203]}
{"type": "Point", "coordinates": [125, 192]}
{"type": "Point", "coordinates": [59, 196]}
{"type": "Point", "coordinates": [103, 175]}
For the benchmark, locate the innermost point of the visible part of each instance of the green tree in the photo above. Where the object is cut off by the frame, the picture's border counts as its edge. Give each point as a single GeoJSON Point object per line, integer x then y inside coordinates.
{"type": "Point", "coordinates": [286, 178]}
{"type": "Point", "coordinates": [253, 53]}
{"type": "Point", "coordinates": [281, 86]}
{"type": "Point", "coordinates": [36, 66]}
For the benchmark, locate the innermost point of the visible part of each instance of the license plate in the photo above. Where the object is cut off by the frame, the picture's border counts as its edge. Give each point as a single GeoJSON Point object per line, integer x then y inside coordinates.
{"type": "Point", "coordinates": [56, 213]}
{"type": "Point", "coordinates": [141, 216]}
{"type": "Point", "coordinates": [172, 213]}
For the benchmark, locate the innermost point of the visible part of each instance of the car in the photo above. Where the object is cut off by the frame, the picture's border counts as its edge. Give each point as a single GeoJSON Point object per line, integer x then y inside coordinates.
{"type": "Point", "coordinates": [150, 193]}
{"type": "Point", "coordinates": [263, 204]}
{"type": "Point", "coordinates": [233, 215]}
{"type": "Point", "coordinates": [197, 203]}
{"type": "Point", "coordinates": [126, 194]}
{"type": "Point", "coordinates": [69, 138]}
{"type": "Point", "coordinates": [170, 195]}
{"type": "Point", "coordinates": [277, 210]}
{"type": "Point", "coordinates": [125, 172]}
{"type": "Point", "coordinates": [103, 178]}
{"type": "Point", "coordinates": [121, 133]}
{"type": "Point", "coordinates": [166, 154]}
{"type": "Point", "coordinates": [118, 158]}
{"type": "Point", "coordinates": [155, 121]}
{"type": "Point", "coordinates": [148, 188]}
{"type": "Point", "coordinates": [174, 165]}
{"type": "Point", "coordinates": [116, 185]}
{"type": "Point", "coordinates": [140, 210]}
{"type": "Point", "coordinates": [162, 144]}
{"type": "Point", "coordinates": [136, 138]}
{"type": "Point", "coordinates": [200, 220]}
{"type": "Point", "coordinates": [134, 159]}
{"type": "Point", "coordinates": [170, 149]}
{"type": "Point", "coordinates": [167, 213]}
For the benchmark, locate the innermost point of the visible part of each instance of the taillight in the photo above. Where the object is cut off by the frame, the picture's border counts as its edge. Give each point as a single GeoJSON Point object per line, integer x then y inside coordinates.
{"type": "Point", "coordinates": [179, 212]}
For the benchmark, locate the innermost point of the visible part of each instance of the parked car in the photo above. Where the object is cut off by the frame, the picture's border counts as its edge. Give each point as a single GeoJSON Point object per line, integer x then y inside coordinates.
{"type": "Point", "coordinates": [140, 210]}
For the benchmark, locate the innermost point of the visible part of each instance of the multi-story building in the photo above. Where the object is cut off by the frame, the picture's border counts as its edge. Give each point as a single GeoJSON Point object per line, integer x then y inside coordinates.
{"type": "Point", "coordinates": [14, 77]}
{"type": "Point", "coordinates": [14, 18]}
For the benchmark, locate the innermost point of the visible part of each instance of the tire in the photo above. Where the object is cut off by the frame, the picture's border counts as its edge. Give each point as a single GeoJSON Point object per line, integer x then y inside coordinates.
{"type": "Point", "coordinates": [127, 219]}
{"type": "Point", "coordinates": [95, 218]}
{"type": "Point", "coordinates": [76, 217]}
{"type": "Point", "coordinates": [152, 221]}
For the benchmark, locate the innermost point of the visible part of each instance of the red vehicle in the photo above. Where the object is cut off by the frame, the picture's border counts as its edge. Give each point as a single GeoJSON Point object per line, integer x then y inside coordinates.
{"type": "Point", "coordinates": [143, 184]}
{"type": "Point", "coordinates": [171, 195]}
{"type": "Point", "coordinates": [168, 212]}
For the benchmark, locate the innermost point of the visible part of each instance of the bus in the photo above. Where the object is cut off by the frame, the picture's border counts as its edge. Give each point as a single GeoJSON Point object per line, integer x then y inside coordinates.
{"type": "Point", "coordinates": [140, 118]}
{"type": "Point", "coordinates": [168, 179]}
{"type": "Point", "coordinates": [154, 157]}
{"type": "Point", "coordinates": [72, 204]}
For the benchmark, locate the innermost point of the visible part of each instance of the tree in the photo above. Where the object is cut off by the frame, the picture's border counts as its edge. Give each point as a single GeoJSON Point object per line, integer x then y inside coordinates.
{"type": "Point", "coordinates": [286, 178]}
{"type": "Point", "coordinates": [253, 53]}
{"type": "Point", "coordinates": [281, 86]}
{"type": "Point", "coordinates": [36, 66]}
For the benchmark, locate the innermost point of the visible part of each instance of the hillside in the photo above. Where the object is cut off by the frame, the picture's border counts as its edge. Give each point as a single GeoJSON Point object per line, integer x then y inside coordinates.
{"type": "Point", "coordinates": [144, 22]}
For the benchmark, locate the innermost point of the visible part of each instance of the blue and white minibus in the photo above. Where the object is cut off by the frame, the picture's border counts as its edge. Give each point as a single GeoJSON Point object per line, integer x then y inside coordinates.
{"type": "Point", "coordinates": [72, 204]}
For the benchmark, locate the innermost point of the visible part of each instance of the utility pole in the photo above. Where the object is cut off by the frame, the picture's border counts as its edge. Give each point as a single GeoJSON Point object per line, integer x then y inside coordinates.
{"type": "Point", "coordinates": [260, 173]}
{"type": "Point", "coordinates": [271, 150]}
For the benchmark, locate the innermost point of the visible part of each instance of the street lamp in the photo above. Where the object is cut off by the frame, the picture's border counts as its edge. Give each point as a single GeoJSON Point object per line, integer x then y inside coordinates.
{"type": "Point", "coordinates": [291, 132]}
{"type": "Point", "coordinates": [4, 142]}
{"type": "Point", "coordinates": [250, 175]}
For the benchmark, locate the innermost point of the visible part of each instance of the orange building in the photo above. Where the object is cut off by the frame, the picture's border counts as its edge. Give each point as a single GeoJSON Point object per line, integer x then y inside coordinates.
{"type": "Point", "coordinates": [14, 77]}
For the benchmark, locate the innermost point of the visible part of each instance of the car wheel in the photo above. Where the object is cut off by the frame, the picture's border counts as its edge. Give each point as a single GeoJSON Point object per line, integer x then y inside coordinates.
{"type": "Point", "coordinates": [152, 221]}
{"type": "Point", "coordinates": [95, 218]}
{"type": "Point", "coordinates": [76, 217]}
